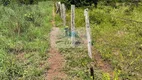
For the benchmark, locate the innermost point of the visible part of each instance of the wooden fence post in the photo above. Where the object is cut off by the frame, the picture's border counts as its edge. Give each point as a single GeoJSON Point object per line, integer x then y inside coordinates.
{"type": "Point", "coordinates": [88, 32]}
{"type": "Point", "coordinates": [61, 11]}
{"type": "Point", "coordinates": [58, 7]}
{"type": "Point", "coordinates": [73, 25]}
{"type": "Point", "coordinates": [64, 14]}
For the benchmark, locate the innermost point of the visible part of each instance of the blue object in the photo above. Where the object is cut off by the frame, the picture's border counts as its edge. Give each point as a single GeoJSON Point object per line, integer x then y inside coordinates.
{"type": "Point", "coordinates": [73, 33]}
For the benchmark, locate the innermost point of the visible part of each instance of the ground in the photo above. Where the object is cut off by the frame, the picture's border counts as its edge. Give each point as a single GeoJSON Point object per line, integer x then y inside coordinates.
{"type": "Point", "coordinates": [56, 60]}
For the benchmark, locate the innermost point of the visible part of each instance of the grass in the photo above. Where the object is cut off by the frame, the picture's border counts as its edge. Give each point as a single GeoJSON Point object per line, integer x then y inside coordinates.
{"type": "Point", "coordinates": [78, 64]}
{"type": "Point", "coordinates": [116, 34]}
{"type": "Point", "coordinates": [24, 40]}
{"type": "Point", "coordinates": [119, 41]}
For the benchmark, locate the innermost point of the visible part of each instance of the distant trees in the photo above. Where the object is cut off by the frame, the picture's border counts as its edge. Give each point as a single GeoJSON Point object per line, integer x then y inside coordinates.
{"type": "Point", "coordinates": [95, 2]}
{"type": "Point", "coordinates": [6, 2]}
{"type": "Point", "coordinates": [136, 2]}
{"type": "Point", "coordinates": [80, 3]}
{"type": "Point", "coordinates": [112, 3]}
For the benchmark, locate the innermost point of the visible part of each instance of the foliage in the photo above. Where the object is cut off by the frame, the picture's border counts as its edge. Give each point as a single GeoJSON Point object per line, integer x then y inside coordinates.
{"type": "Point", "coordinates": [7, 2]}
{"type": "Point", "coordinates": [113, 3]}
{"type": "Point", "coordinates": [116, 33]}
{"type": "Point", "coordinates": [78, 3]}
{"type": "Point", "coordinates": [78, 64]}
{"type": "Point", "coordinates": [24, 40]}
{"type": "Point", "coordinates": [118, 38]}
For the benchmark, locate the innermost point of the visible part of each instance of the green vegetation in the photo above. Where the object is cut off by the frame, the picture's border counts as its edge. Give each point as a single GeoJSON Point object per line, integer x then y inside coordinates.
{"type": "Point", "coordinates": [117, 35]}
{"type": "Point", "coordinates": [24, 40]}
{"type": "Point", "coordinates": [77, 64]}
{"type": "Point", "coordinates": [113, 3]}
{"type": "Point", "coordinates": [20, 2]}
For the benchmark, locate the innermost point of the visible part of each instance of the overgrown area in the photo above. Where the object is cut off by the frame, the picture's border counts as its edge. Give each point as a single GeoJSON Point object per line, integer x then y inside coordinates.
{"type": "Point", "coordinates": [116, 34]}
{"type": "Point", "coordinates": [24, 40]}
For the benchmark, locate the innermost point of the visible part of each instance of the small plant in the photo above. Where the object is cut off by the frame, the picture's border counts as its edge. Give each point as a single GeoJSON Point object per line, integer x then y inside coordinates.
{"type": "Point", "coordinates": [106, 76]}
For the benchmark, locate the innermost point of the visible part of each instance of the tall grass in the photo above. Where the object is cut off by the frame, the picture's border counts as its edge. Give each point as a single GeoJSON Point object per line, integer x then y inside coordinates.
{"type": "Point", "coordinates": [119, 39]}
{"type": "Point", "coordinates": [118, 36]}
{"type": "Point", "coordinates": [24, 40]}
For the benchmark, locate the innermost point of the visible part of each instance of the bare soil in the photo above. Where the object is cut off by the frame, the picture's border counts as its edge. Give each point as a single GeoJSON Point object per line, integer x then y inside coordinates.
{"type": "Point", "coordinates": [56, 60]}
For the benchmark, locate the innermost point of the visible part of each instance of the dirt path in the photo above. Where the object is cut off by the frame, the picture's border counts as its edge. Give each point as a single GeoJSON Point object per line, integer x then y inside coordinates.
{"type": "Point", "coordinates": [56, 60]}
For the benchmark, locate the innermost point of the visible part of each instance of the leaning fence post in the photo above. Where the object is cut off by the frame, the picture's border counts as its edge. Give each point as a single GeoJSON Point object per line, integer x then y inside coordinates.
{"type": "Point", "coordinates": [58, 7]}
{"type": "Point", "coordinates": [60, 10]}
{"type": "Point", "coordinates": [64, 14]}
{"type": "Point", "coordinates": [73, 25]}
{"type": "Point", "coordinates": [88, 32]}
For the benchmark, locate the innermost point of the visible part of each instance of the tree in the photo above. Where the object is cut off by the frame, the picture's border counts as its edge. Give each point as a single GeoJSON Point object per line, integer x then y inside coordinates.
{"type": "Point", "coordinates": [112, 3]}
{"type": "Point", "coordinates": [7, 2]}
{"type": "Point", "coordinates": [80, 3]}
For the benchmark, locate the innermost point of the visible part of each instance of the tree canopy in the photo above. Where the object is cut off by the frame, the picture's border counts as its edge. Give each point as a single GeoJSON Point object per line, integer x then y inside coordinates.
{"type": "Point", "coordinates": [80, 3]}
{"type": "Point", "coordinates": [6, 2]}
